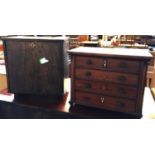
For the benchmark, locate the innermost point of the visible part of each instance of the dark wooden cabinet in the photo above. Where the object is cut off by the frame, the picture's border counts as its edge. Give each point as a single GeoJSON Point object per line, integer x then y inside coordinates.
{"type": "Point", "coordinates": [36, 65]}
{"type": "Point", "coordinates": [109, 78]}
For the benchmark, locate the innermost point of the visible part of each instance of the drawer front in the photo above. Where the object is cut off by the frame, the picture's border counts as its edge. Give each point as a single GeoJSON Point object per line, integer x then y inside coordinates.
{"type": "Point", "coordinates": [124, 65]}
{"type": "Point", "coordinates": [91, 62]}
{"type": "Point", "coordinates": [108, 64]}
{"type": "Point", "coordinates": [106, 88]}
{"type": "Point", "coordinates": [105, 102]}
{"type": "Point", "coordinates": [98, 75]}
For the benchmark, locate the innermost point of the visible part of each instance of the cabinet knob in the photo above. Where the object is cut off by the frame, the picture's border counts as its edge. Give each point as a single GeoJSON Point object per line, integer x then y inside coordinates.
{"type": "Point", "coordinates": [102, 99]}
{"type": "Point", "coordinates": [104, 64]}
{"type": "Point", "coordinates": [32, 45]}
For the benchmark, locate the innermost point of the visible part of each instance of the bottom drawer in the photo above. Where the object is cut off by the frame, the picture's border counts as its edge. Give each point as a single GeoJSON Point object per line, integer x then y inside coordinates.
{"type": "Point", "coordinates": [105, 102]}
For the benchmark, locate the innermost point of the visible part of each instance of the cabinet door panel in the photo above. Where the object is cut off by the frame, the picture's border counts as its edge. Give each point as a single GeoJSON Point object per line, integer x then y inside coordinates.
{"type": "Point", "coordinates": [34, 66]}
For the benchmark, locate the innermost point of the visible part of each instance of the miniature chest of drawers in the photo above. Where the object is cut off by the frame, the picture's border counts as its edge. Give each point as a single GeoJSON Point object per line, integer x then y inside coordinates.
{"type": "Point", "coordinates": [109, 78]}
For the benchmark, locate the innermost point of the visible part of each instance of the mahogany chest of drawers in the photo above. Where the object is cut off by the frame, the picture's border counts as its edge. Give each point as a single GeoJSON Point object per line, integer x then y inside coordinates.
{"type": "Point", "coordinates": [36, 65]}
{"type": "Point", "coordinates": [109, 78]}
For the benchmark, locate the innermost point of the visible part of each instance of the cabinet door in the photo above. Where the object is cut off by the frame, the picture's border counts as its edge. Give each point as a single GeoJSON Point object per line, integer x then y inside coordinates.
{"type": "Point", "coordinates": [34, 67]}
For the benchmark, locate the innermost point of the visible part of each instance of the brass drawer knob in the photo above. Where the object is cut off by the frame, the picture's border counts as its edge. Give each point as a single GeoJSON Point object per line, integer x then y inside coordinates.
{"type": "Point", "coordinates": [32, 45]}
{"type": "Point", "coordinates": [104, 64]}
{"type": "Point", "coordinates": [102, 99]}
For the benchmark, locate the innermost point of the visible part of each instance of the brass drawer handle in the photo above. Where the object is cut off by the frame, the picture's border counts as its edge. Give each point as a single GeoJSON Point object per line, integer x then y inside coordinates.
{"type": "Point", "coordinates": [102, 99]}
{"type": "Point", "coordinates": [89, 62]}
{"type": "Point", "coordinates": [121, 78]}
{"type": "Point", "coordinates": [32, 45]}
{"type": "Point", "coordinates": [123, 65]}
{"type": "Point", "coordinates": [88, 74]}
{"type": "Point", "coordinates": [120, 104]}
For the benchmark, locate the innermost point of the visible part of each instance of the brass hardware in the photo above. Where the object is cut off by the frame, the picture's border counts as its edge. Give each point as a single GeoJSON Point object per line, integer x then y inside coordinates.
{"type": "Point", "coordinates": [32, 45]}
{"type": "Point", "coordinates": [102, 99]}
{"type": "Point", "coordinates": [104, 64]}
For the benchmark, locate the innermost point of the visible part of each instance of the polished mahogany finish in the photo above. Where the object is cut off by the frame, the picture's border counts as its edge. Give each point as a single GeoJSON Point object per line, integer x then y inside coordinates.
{"type": "Point", "coordinates": [103, 101]}
{"type": "Point", "coordinates": [110, 64]}
{"type": "Point", "coordinates": [112, 79]}
{"type": "Point", "coordinates": [106, 88]}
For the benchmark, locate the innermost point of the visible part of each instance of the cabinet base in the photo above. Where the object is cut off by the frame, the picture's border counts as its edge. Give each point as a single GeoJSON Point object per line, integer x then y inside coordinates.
{"type": "Point", "coordinates": [94, 112]}
{"type": "Point", "coordinates": [37, 100]}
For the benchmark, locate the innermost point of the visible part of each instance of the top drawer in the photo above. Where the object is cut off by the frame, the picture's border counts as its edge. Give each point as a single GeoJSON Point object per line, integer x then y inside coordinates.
{"type": "Point", "coordinates": [129, 66]}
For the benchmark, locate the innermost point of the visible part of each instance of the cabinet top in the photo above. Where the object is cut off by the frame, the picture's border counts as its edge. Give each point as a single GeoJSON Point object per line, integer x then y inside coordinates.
{"type": "Point", "coordinates": [112, 52]}
{"type": "Point", "coordinates": [33, 38]}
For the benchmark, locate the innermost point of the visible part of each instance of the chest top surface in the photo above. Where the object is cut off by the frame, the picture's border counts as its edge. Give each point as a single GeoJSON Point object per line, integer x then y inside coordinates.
{"type": "Point", "coordinates": [35, 38]}
{"type": "Point", "coordinates": [112, 52]}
